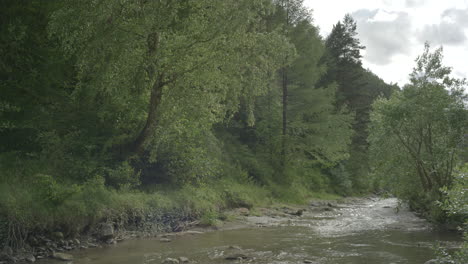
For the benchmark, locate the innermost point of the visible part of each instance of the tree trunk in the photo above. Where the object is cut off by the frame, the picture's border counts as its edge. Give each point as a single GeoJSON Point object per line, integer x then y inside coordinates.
{"type": "Point", "coordinates": [285, 116]}
{"type": "Point", "coordinates": [151, 124]}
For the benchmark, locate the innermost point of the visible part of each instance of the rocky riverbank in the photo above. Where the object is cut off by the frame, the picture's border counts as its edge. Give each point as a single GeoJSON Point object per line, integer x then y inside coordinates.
{"type": "Point", "coordinates": [329, 218]}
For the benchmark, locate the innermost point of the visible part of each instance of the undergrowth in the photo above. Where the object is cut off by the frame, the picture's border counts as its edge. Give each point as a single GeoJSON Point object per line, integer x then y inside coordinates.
{"type": "Point", "coordinates": [45, 205]}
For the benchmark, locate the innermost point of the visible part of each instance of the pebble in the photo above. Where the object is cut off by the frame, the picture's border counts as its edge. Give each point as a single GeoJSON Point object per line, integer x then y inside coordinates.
{"type": "Point", "coordinates": [165, 240]}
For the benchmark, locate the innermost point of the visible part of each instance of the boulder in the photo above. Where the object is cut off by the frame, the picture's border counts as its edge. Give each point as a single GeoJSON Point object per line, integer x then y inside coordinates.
{"type": "Point", "coordinates": [165, 240]}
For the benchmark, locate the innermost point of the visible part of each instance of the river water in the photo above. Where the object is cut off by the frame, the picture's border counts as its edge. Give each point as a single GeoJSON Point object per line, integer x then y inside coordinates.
{"type": "Point", "coordinates": [358, 231]}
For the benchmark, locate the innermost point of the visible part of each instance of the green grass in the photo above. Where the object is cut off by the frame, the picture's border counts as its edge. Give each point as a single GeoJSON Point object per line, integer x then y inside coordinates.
{"type": "Point", "coordinates": [46, 205]}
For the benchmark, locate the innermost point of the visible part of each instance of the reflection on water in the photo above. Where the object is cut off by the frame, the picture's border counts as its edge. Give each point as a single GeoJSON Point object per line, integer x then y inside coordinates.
{"type": "Point", "coordinates": [275, 245]}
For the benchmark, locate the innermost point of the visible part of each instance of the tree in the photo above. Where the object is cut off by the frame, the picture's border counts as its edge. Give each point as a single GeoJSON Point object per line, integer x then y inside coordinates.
{"type": "Point", "coordinates": [356, 90]}
{"type": "Point", "coordinates": [420, 128]}
{"type": "Point", "coordinates": [156, 69]}
{"type": "Point", "coordinates": [289, 14]}
{"type": "Point", "coordinates": [343, 60]}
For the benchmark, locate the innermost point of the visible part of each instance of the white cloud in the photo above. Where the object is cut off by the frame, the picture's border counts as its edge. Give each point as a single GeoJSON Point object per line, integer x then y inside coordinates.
{"type": "Point", "coordinates": [444, 33]}
{"type": "Point", "coordinates": [394, 31]}
{"type": "Point", "coordinates": [384, 34]}
{"type": "Point", "coordinates": [458, 16]}
{"type": "Point", "coordinates": [414, 3]}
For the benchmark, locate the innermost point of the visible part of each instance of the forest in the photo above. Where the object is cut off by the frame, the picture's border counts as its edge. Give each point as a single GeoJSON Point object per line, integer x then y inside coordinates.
{"type": "Point", "coordinates": [114, 109]}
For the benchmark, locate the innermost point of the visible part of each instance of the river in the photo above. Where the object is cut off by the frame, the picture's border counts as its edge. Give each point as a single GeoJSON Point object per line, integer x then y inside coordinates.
{"type": "Point", "coordinates": [364, 230]}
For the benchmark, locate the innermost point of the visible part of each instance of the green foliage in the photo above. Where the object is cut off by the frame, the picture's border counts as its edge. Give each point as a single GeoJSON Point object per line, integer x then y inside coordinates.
{"type": "Point", "coordinates": [114, 110]}
{"type": "Point", "coordinates": [356, 90]}
{"type": "Point", "coordinates": [455, 203]}
{"type": "Point", "coordinates": [416, 134]}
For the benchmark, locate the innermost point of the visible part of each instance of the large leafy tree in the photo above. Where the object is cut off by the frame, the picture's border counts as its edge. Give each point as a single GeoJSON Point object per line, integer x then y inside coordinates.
{"type": "Point", "coordinates": [152, 70]}
{"type": "Point", "coordinates": [421, 129]}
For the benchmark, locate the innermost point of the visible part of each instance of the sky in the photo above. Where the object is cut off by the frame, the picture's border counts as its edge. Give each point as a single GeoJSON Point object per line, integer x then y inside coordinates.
{"type": "Point", "coordinates": [394, 32]}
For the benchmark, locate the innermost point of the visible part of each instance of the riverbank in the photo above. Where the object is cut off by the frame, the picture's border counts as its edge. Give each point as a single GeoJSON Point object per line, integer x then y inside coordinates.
{"type": "Point", "coordinates": [330, 218]}
{"type": "Point", "coordinates": [348, 230]}
{"type": "Point", "coordinates": [97, 216]}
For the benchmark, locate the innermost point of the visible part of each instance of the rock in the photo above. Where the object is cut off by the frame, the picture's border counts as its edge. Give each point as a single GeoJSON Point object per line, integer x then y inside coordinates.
{"type": "Point", "coordinates": [170, 261]}
{"type": "Point", "coordinates": [51, 244]}
{"type": "Point", "coordinates": [191, 232]}
{"type": "Point", "coordinates": [107, 231]}
{"type": "Point", "coordinates": [298, 212]}
{"type": "Point", "coordinates": [76, 241]}
{"type": "Point", "coordinates": [62, 256]}
{"type": "Point", "coordinates": [91, 245]}
{"type": "Point", "coordinates": [30, 258]}
{"type": "Point", "coordinates": [183, 260]}
{"type": "Point", "coordinates": [432, 261]}
{"type": "Point", "coordinates": [111, 242]}
{"type": "Point", "coordinates": [165, 240]}
{"type": "Point", "coordinates": [57, 235]}
{"type": "Point", "coordinates": [316, 204]}
{"type": "Point", "coordinates": [41, 248]}
{"type": "Point", "coordinates": [235, 247]}
{"type": "Point", "coordinates": [309, 261]}
{"type": "Point", "coordinates": [236, 256]}
{"type": "Point", "coordinates": [243, 211]}
{"type": "Point", "coordinates": [50, 251]}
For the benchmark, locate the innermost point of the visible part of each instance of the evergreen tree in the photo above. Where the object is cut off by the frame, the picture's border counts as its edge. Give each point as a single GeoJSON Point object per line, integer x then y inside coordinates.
{"type": "Point", "coordinates": [357, 89]}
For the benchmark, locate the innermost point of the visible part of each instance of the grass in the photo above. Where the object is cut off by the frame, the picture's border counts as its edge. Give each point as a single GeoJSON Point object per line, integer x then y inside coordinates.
{"type": "Point", "coordinates": [47, 206]}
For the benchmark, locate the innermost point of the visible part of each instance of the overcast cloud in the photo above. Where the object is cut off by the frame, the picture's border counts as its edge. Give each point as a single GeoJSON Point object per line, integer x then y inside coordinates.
{"type": "Point", "coordinates": [384, 34]}
{"type": "Point", "coordinates": [394, 31]}
{"type": "Point", "coordinates": [414, 3]}
{"type": "Point", "coordinates": [450, 30]}
{"type": "Point", "coordinates": [457, 16]}
{"type": "Point", "coordinates": [445, 33]}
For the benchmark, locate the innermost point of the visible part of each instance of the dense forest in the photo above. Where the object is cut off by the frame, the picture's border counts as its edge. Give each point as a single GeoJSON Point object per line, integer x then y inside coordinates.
{"type": "Point", "coordinates": [111, 109]}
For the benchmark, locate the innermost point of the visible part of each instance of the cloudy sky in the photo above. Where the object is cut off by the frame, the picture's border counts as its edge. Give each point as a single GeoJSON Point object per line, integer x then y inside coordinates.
{"type": "Point", "coordinates": [394, 31]}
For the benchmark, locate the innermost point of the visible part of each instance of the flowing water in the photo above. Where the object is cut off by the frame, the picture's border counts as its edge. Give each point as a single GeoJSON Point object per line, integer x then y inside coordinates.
{"type": "Point", "coordinates": [360, 231]}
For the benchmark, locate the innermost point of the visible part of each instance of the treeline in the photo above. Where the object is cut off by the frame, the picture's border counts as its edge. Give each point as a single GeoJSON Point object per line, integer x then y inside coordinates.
{"type": "Point", "coordinates": [122, 99]}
